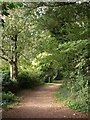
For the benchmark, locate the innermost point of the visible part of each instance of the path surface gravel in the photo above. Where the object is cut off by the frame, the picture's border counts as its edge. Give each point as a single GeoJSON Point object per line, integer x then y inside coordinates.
{"type": "Point", "coordinates": [41, 103]}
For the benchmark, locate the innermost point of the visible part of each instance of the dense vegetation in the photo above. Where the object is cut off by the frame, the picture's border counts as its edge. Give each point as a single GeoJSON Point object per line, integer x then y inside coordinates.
{"type": "Point", "coordinates": [42, 42]}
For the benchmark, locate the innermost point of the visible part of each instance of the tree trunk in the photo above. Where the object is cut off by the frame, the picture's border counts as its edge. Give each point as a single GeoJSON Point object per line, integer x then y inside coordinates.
{"type": "Point", "coordinates": [13, 71]}
{"type": "Point", "coordinates": [13, 63]}
{"type": "Point", "coordinates": [49, 80]}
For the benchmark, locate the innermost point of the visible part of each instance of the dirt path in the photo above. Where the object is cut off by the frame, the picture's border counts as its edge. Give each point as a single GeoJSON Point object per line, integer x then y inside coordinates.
{"type": "Point", "coordinates": [41, 103]}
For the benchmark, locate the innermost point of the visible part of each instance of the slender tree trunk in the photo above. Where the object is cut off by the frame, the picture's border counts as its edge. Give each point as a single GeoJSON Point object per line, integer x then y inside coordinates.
{"type": "Point", "coordinates": [13, 63]}
{"type": "Point", "coordinates": [13, 71]}
{"type": "Point", "coordinates": [49, 80]}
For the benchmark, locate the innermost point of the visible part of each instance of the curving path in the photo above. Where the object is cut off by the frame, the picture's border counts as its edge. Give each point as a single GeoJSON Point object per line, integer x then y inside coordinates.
{"type": "Point", "coordinates": [41, 103]}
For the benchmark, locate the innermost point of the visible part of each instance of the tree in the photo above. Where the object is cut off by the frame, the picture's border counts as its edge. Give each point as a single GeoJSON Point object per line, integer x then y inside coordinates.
{"type": "Point", "coordinates": [17, 29]}
{"type": "Point", "coordinates": [14, 36]}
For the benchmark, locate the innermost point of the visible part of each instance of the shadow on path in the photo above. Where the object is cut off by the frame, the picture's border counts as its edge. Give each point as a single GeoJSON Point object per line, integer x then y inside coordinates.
{"type": "Point", "coordinates": [41, 103]}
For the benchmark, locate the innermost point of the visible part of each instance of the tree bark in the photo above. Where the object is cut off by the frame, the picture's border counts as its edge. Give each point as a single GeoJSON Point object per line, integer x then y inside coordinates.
{"type": "Point", "coordinates": [49, 79]}
{"type": "Point", "coordinates": [13, 71]}
{"type": "Point", "coordinates": [13, 63]}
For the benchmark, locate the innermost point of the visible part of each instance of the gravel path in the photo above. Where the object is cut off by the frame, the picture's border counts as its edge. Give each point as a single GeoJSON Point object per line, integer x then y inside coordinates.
{"type": "Point", "coordinates": [41, 103]}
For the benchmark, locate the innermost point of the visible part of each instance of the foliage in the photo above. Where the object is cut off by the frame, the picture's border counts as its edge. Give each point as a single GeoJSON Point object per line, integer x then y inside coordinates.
{"type": "Point", "coordinates": [5, 77]}
{"type": "Point", "coordinates": [27, 81]}
{"type": "Point", "coordinates": [8, 98]}
{"type": "Point", "coordinates": [76, 74]}
{"type": "Point", "coordinates": [52, 42]}
{"type": "Point", "coordinates": [79, 104]}
{"type": "Point", "coordinates": [9, 5]}
{"type": "Point", "coordinates": [8, 84]}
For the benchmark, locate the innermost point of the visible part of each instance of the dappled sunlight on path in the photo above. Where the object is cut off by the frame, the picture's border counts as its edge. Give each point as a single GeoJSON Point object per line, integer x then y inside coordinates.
{"type": "Point", "coordinates": [41, 103]}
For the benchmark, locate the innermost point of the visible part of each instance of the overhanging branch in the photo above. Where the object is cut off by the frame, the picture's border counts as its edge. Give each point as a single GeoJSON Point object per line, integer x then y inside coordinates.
{"type": "Point", "coordinates": [6, 59]}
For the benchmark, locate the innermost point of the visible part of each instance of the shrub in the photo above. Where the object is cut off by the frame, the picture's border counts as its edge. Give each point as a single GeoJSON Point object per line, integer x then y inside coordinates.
{"type": "Point", "coordinates": [23, 79]}
{"type": "Point", "coordinates": [78, 106]}
{"type": "Point", "coordinates": [26, 81]}
{"type": "Point", "coordinates": [5, 76]}
{"type": "Point", "coordinates": [7, 84]}
{"type": "Point", "coordinates": [76, 100]}
{"type": "Point", "coordinates": [8, 98]}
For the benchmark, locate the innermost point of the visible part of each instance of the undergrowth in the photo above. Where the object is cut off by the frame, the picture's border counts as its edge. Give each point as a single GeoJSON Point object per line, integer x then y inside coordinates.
{"type": "Point", "coordinates": [9, 100]}
{"type": "Point", "coordinates": [64, 94]}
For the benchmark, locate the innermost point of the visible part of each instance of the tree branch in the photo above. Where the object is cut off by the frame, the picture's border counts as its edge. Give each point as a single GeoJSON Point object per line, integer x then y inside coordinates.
{"type": "Point", "coordinates": [4, 53]}
{"type": "Point", "coordinates": [6, 59]}
{"type": "Point", "coordinates": [3, 50]}
{"type": "Point", "coordinates": [34, 5]}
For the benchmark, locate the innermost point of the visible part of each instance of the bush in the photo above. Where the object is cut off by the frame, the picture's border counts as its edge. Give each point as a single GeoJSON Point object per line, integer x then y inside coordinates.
{"type": "Point", "coordinates": [75, 100]}
{"type": "Point", "coordinates": [7, 84]}
{"type": "Point", "coordinates": [8, 98]}
{"type": "Point", "coordinates": [26, 81]}
{"type": "Point", "coordinates": [5, 76]}
{"type": "Point", "coordinates": [78, 106]}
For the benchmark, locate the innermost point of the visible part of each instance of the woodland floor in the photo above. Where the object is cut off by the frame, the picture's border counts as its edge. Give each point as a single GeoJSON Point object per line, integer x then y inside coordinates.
{"type": "Point", "coordinates": [41, 103]}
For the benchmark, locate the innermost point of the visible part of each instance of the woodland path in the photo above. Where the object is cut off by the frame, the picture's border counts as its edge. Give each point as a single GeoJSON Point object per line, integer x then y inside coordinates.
{"type": "Point", "coordinates": [41, 103]}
